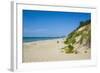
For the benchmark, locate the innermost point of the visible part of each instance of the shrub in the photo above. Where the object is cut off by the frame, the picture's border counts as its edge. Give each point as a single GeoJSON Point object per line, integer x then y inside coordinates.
{"type": "Point", "coordinates": [69, 49]}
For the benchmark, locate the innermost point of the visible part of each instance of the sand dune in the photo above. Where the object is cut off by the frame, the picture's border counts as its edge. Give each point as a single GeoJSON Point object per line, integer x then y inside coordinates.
{"type": "Point", "coordinates": [49, 50]}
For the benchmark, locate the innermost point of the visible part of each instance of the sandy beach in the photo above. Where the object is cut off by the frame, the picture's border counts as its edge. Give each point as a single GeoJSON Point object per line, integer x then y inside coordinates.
{"type": "Point", "coordinates": [49, 50]}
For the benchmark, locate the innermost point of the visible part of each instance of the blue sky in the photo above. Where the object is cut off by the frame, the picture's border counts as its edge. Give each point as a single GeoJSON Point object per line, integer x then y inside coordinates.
{"type": "Point", "coordinates": [51, 23]}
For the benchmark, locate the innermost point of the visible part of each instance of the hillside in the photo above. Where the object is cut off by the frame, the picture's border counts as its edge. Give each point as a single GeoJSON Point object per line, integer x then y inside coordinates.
{"type": "Point", "coordinates": [79, 40]}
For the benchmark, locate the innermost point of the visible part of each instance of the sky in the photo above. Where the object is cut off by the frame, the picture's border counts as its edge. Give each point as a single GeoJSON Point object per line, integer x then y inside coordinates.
{"type": "Point", "coordinates": [51, 23]}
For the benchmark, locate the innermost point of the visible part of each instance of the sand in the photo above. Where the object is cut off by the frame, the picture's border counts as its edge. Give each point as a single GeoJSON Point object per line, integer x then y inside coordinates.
{"type": "Point", "coordinates": [49, 50]}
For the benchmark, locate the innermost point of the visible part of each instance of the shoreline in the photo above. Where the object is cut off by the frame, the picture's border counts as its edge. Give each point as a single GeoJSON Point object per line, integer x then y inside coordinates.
{"type": "Point", "coordinates": [49, 50]}
{"type": "Point", "coordinates": [56, 39]}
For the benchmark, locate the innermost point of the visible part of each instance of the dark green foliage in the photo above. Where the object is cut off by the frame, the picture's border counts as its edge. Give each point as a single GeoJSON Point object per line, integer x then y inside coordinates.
{"type": "Point", "coordinates": [74, 34]}
{"type": "Point", "coordinates": [73, 41]}
{"type": "Point", "coordinates": [83, 23]}
{"type": "Point", "coordinates": [84, 34]}
{"type": "Point", "coordinates": [70, 47]}
{"type": "Point", "coordinates": [71, 34]}
{"type": "Point", "coordinates": [71, 37]}
{"type": "Point", "coordinates": [66, 42]}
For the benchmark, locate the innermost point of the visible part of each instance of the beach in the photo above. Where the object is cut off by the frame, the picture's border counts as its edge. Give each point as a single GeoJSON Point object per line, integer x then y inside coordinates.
{"type": "Point", "coordinates": [49, 50]}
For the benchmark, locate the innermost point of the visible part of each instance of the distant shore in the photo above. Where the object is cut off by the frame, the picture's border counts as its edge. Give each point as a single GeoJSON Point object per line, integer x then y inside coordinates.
{"type": "Point", "coordinates": [48, 50]}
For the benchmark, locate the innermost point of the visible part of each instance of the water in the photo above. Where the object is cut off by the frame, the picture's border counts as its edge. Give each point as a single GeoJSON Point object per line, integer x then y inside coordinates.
{"type": "Point", "coordinates": [31, 39]}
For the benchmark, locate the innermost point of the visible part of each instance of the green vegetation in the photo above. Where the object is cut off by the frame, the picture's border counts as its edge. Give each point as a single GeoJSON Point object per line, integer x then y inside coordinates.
{"type": "Point", "coordinates": [83, 23]}
{"type": "Point", "coordinates": [84, 34]}
{"type": "Point", "coordinates": [68, 49]}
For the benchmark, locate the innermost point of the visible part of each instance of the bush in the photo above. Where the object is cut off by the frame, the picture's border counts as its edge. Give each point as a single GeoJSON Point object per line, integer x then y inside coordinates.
{"type": "Point", "coordinates": [69, 49]}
